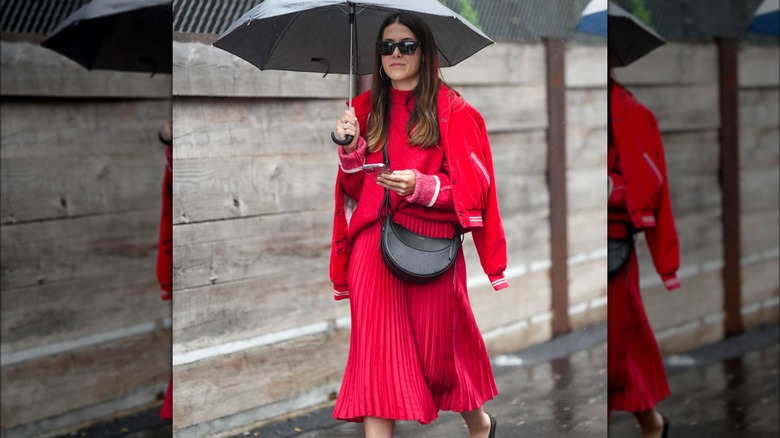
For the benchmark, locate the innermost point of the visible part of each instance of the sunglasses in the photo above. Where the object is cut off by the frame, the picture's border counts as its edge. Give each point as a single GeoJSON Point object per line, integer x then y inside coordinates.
{"type": "Point", "coordinates": [387, 48]}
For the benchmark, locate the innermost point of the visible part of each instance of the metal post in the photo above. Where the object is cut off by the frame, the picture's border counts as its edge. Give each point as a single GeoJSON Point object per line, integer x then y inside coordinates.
{"type": "Point", "coordinates": [556, 178]}
{"type": "Point", "coordinates": [729, 180]}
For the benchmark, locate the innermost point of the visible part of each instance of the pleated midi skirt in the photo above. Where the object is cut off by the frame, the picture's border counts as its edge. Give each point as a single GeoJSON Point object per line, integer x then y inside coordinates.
{"type": "Point", "coordinates": [636, 380]}
{"type": "Point", "coordinates": [414, 349]}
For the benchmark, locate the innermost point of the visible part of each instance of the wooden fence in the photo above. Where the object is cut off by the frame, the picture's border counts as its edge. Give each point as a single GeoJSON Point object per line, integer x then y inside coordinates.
{"type": "Point", "coordinates": [256, 331]}
{"type": "Point", "coordinates": [679, 84]}
{"type": "Point", "coordinates": [84, 333]}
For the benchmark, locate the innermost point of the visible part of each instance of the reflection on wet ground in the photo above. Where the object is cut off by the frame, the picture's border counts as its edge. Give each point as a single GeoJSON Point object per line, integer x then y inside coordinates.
{"type": "Point", "coordinates": [727, 389]}
{"type": "Point", "coordinates": [142, 424]}
{"type": "Point", "coordinates": [557, 388]}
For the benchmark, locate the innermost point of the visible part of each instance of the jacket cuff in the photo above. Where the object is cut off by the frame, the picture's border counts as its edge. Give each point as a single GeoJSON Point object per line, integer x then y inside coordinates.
{"type": "Point", "coordinates": [498, 281]}
{"type": "Point", "coordinates": [643, 218]}
{"type": "Point", "coordinates": [353, 161]}
{"type": "Point", "coordinates": [671, 282]}
{"type": "Point", "coordinates": [426, 189]}
{"type": "Point", "coordinates": [340, 293]}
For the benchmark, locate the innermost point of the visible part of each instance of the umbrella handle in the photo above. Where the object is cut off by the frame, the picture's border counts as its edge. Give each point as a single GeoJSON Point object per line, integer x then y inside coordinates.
{"type": "Point", "coordinates": [347, 140]}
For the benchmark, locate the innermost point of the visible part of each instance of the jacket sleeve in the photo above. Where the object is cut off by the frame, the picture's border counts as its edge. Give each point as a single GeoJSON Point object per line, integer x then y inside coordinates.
{"type": "Point", "coordinates": [638, 138]}
{"type": "Point", "coordinates": [647, 189]}
{"type": "Point", "coordinates": [339, 248]}
{"type": "Point", "coordinates": [471, 163]}
{"type": "Point", "coordinates": [662, 239]}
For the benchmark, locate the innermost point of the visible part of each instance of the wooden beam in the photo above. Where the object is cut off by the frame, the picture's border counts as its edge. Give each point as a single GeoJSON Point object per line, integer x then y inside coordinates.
{"type": "Point", "coordinates": [729, 179]}
{"type": "Point", "coordinates": [556, 177]}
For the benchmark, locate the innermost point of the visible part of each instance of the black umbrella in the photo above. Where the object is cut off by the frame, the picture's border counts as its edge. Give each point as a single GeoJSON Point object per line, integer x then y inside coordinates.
{"type": "Point", "coordinates": [314, 35]}
{"type": "Point", "coordinates": [628, 38]}
{"type": "Point", "coordinates": [125, 35]}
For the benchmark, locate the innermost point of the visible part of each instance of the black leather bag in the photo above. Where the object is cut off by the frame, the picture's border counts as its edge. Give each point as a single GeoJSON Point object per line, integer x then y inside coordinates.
{"type": "Point", "coordinates": [618, 251]}
{"type": "Point", "coordinates": [410, 256]}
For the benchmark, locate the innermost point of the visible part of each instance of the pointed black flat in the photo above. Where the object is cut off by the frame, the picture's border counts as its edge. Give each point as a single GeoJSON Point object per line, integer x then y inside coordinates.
{"type": "Point", "coordinates": [492, 427]}
{"type": "Point", "coordinates": [667, 426]}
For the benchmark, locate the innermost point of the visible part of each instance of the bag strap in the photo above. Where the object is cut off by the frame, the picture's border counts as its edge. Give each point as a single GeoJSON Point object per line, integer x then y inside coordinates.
{"type": "Point", "coordinates": [386, 205]}
{"type": "Point", "coordinates": [388, 208]}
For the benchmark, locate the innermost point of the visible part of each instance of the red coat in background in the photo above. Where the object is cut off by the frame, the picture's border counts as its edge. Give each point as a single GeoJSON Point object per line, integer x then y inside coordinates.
{"type": "Point", "coordinates": [639, 197]}
{"type": "Point", "coordinates": [646, 187]}
{"type": "Point", "coordinates": [165, 247]}
{"type": "Point", "coordinates": [165, 260]}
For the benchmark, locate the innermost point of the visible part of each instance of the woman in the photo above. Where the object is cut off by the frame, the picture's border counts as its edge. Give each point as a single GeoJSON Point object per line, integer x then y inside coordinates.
{"type": "Point", "coordinates": [414, 349]}
{"type": "Point", "coordinates": [638, 202]}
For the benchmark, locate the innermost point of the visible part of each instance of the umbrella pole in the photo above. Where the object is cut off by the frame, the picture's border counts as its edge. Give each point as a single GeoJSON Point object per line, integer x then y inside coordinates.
{"type": "Point", "coordinates": [352, 30]}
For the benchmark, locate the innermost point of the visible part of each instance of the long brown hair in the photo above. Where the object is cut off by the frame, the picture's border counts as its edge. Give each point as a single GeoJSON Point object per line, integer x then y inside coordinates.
{"type": "Point", "coordinates": [423, 126]}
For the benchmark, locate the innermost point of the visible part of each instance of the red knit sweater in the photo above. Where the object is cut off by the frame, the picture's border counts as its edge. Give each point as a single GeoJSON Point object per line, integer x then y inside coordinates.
{"type": "Point", "coordinates": [428, 164]}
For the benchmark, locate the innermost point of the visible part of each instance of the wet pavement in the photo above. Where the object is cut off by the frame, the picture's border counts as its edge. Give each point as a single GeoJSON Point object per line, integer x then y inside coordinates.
{"type": "Point", "coordinates": [558, 388]}
{"type": "Point", "coordinates": [144, 424]}
{"type": "Point", "coordinates": [726, 389]}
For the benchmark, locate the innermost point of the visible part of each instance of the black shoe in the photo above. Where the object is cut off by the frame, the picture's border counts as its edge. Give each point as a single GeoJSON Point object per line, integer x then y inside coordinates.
{"type": "Point", "coordinates": [667, 425]}
{"type": "Point", "coordinates": [493, 427]}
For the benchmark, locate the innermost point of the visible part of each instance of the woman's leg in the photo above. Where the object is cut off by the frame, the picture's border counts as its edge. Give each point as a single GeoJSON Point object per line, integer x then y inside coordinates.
{"type": "Point", "coordinates": [651, 423]}
{"type": "Point", "coordinates": [375, 427]}
{"type": "Point", "coordinates": [478, 423]}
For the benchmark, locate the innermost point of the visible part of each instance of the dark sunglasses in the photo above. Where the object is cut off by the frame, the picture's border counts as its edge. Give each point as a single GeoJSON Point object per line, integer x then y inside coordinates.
{"type": "Point", "coordinates": [387, 48]}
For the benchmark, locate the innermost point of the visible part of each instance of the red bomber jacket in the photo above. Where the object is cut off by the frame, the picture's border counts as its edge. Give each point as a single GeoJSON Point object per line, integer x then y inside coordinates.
{"type": "Point", "coordinates": [467, 149]}
{"type": "Point", "coordinates": [646, 190]}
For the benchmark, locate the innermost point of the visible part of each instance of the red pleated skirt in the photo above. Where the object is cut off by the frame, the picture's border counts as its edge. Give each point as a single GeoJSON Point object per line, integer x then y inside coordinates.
{"type": "Point", "coordinates": [636, 380]}
{"type": "Point", "coordinates": [414, 349]}
{"type": "Point", "coordinates": [166, 411]}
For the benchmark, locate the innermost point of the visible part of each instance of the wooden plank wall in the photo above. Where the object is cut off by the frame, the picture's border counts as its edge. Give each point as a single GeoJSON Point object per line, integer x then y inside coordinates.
{"type": "Point", "coordinates": [586, 156]}
{"type": "Point", "coordinates": [679, 84]}
{"type": "Point", "coordinates": [759, 142]}
{"type": "Point", "coordinates": [84, 332]}
{"type": "Point", "coordinates": [257, 333]}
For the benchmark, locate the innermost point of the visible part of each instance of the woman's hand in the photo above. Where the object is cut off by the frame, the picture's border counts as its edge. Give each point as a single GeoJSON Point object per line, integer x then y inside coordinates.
{"type": "Point", "coordinates": [348, 125]}
{"type": "Point", "coordinates": [399, 181]}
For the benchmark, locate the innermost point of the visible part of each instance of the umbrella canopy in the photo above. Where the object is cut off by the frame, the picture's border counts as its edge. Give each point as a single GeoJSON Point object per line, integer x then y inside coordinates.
{"type": "Point", "coordinates": [594, 18]}
{"type": "Point", "coordinates": [766, 20]}
{"type": "Point", "coordinates": [125, 35]}
{"type": "Point", "coordinates": [629, 39]}
{"type": "Point", "coordinates": [314, 35]}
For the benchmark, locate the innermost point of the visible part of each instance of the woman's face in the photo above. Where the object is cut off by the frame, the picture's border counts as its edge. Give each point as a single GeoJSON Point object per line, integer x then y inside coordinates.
{"type": "Point", "coordinates": [401, 69]}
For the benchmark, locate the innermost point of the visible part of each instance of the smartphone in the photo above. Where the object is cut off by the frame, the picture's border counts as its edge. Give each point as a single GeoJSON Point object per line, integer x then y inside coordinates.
{"type": "Point", "coordinates": [375, 168]}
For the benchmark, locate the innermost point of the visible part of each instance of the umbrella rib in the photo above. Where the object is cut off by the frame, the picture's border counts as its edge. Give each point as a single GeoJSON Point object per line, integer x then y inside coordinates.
{"type": "Point", "coordinates": [449, 63]}
{"type": "Point", "coordinates": [105, 41]}
{"type": "Point", "coordinates": [280, 37]}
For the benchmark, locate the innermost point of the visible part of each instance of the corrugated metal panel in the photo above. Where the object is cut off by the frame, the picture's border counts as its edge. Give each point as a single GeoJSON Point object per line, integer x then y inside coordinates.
{"type": "Point", "coordinates": [208, 16]}
{"type": "Point", "coordinates": [36, 16]}
{"type": "Point", "coordinates": [697, 20]}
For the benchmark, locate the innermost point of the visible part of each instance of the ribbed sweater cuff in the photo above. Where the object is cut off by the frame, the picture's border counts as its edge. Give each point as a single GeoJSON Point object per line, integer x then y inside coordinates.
{"type": "Point", "coordinates": [426, 189]}
{"type": "Point", "coordinates": [353, 161]}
